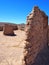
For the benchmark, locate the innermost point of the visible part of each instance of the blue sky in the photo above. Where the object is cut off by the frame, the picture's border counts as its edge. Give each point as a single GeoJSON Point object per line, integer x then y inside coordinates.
{"type": "Point", "coordinates": [16, 11]}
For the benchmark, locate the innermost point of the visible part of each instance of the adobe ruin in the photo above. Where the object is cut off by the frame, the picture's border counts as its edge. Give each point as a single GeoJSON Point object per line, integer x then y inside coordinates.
{"type": "Point", "coordinates": [8, 30]}
{"type": "Point", "coordinates": [37, 34]}
{"type": "Point", "coordinates": [28, 45]}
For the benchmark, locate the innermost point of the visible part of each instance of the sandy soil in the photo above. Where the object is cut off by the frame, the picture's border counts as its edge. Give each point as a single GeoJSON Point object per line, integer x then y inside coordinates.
{"type": "Point", "coordinates": [12, 48]}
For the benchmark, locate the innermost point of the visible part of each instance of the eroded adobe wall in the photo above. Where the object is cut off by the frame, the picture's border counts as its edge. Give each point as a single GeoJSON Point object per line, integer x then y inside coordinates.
{"type": "Point", "coordinates": [8, 30]}
{"type": "Point", "coordinates": [48, 35]}
{"type": "Point", "coordinates": [36, 32]}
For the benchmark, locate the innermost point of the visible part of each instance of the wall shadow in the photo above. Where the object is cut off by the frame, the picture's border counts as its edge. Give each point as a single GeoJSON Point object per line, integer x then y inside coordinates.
{"type": "Point", "coordinates": [42, 58]}
{"type": "Point", "coordinates": [10, 34]}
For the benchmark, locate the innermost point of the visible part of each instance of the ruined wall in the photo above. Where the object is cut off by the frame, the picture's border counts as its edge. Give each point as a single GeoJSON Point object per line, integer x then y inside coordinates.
{"type": "Point", "coordinates": [1, 28]}
{"type": "Point", "coordinates": [48, 36]}
{"type": "Point", "coordinates": [8, 30]}
{"type": "Point", "coordinates": [36, 32]}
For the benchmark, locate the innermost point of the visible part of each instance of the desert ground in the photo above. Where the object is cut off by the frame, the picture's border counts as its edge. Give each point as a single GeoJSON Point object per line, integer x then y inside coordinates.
{"type": "Point", "coordinates": [12, 48]}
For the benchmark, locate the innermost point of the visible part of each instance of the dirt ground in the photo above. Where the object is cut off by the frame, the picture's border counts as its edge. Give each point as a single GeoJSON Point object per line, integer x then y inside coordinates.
{"type": "Point", "coordinates": [12, 48]}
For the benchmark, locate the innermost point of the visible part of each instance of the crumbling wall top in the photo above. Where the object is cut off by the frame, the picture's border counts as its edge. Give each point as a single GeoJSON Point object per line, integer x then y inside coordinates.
{"type": "Point", "coordinates": [36, 11]}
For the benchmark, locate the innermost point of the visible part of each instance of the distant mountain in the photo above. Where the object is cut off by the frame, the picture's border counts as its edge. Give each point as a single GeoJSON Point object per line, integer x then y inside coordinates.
{"type": "Point", "coordinates": [3, 23]}
{"type": "Point", "coordinates": [15, 26]}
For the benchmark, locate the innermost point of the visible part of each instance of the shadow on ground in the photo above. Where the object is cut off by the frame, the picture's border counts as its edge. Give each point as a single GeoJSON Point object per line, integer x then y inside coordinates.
{"type": "Point", "coordinates": [43, 57]}
{"type": "Point", "coordinates": [10, 34]}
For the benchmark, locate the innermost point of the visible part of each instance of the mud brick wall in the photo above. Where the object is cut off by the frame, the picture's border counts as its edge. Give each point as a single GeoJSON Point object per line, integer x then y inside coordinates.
{"type": "Point", "coordinates": [8, 30]}
{"type": "Point", "coordinates": [36, 34]}
{"type": "Point", "coordinates": [48, 35]}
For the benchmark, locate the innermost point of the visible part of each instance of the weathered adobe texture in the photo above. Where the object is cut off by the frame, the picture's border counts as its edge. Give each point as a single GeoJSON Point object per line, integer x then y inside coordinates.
{"type": "Point", "coordinates": [48, 36]}
{"type": "Point", "coordinates": [1, 28]}
{"type": "Point", "coordinates": [36, 32]}
{"type": "Point", "coordinates": [15, 27]}
{"type": "Point", "coordinates": [8, 30]}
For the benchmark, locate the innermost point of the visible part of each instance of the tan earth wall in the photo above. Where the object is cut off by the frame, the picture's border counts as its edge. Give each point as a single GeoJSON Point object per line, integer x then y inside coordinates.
{"type": "Point", "coordinates": [48, 35]}
{"type": "Point", "coordinates": [8, 30]}
{"type": "Point", "coordinates": [36, 35]}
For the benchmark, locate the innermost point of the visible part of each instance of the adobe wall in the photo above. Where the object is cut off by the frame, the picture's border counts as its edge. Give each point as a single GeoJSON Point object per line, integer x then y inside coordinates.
{"type": "Point", "coordinates": [8, 30]}
{"type": "Point", "coordinates": [48, 35]}
{"type": "Point", "coordinates": [36, 32]}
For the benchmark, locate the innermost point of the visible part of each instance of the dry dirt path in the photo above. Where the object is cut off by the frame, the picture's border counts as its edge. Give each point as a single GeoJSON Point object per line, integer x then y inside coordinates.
{"type": "Point", "coordinates": [12, 48]}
